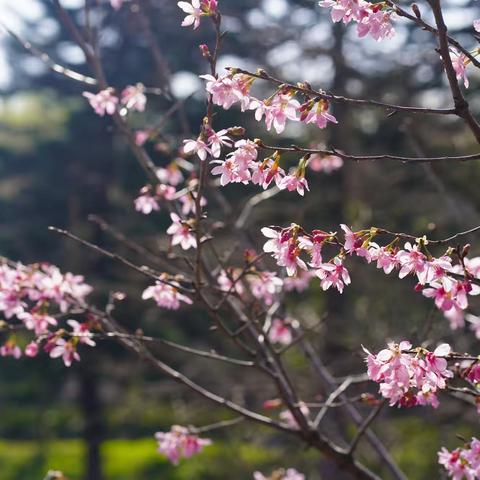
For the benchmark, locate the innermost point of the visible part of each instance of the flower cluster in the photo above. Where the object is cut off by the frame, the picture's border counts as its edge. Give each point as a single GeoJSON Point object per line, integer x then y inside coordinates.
{"type": "Point", "coordinates": [33, 295]}
{"type": "Point", "coordinates": [372, 19]}
{"type": "Point", "coordinates": [262, 285]}
{"type": "Point", "coordinates": [410, 377]}
{"type": "Point", "coordinates": [231, 88]}
{"type": "Point", "coordinates": [179, 443]}
{"type": "Point", "coordinates": [449, 285]}
{"type": "Point", "coordinates": [106, 101]}
{"type": "Point", "coordinates": [462, 463]}
{"type": "Point", "coordinates": [288, 244]}
{"type": "Point", "coordinates": [196, 10]}
{"type": "Point", "coordinates": [167, 191]}
{"type": "Point", "coordinates": [282, 474]}
{"type": "Point", "coordinates": [166, 295]}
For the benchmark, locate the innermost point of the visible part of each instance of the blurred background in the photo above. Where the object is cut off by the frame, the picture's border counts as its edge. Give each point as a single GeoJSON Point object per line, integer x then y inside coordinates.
{"type": "Point", "coordinates": [60, 163]}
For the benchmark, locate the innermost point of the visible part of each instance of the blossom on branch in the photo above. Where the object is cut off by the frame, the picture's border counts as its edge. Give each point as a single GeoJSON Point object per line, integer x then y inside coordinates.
{"type": "Point", "coordinates": [166, 296]}
{"type": "Point", "coordinates": [408, 378]}
{"type": "Point", "coordinates": [179, 443]}
{"type": "Point", "coordinates": [462, 463]}
{"type": "Point", "coordinates": [103, 102]}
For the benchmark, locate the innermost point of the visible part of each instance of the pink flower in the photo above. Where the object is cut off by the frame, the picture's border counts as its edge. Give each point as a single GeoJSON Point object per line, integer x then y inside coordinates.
{"type": "Point", "coordinates": [459, 62]}
{"type": "Point", "coordinates": [65, 349]}
{"type": "Point", "coordinates": [103, 102]}
{"type": "Point", "coordinates": [179, 443]}
{"type": "Point", "coordinates": [216, 140]}
{"type": "Point", "coordinates": [377, 24]}
{"type": "Point", "coordinates": [333, 274]}
{"type": "Point", "coordinates": [82, 332]}
{"type": "Point", "coordinates": [229, 89]}
{"type": "Point", "coordinates": [227, 169]}
{"type": "Point", "coordinates": [181, 233]}
{"type": "Point", "coordinates": [318, 114]}
{"type": "Point", "coordinates": [462, 463]}
{"type": "Point", "coordinates": [166, 192]}
{"type": "Point", "coordinates": [354, 243]}
{"type": "Point", "coordinates": [39, 322]}
{"type": "Point", "coordinates": [300, 283]}
{"type": "Point", "coordinates": [282, 108]}
{"type": "Point", "coordinates": [407, 379]}
{"type": "Point", "coordinates": [385, 258]}
{"type": "Point", "coordinates": [146, 204]}
{"type": "Point", "coordinates": [411, 260]}
{"type": "Point", "coordinates": [171, 174]}
{"type": "Point", "coordinates": [193, 11]}
{"type": "Point", "coordinates": [325, 163]}
{"type": "Point", "coordinates": [293, 182]}
{"type": "Point", "coordinates": [265, 286]}
{"type": "Point", "coordinates": [166, 296]}
{"type": "Point", "coordinates": [289, 258]}
{"type": "Point", "coordinates": [434, 269]}
{"type": "Point", "coordinates": [196, 146]}
{"type": "Point", "coordinates": [133, 98]}
{"type": "Point", "coordinates": [476, 25]}
{"type": "Point", "coordinates": [280, 332]}
{"type": "Point", "coordinates": [10, 349]}
{"type": "Point", "coordinates": [31, 350]}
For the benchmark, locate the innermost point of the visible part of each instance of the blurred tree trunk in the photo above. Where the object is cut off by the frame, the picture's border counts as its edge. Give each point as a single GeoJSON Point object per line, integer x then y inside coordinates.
{"type": "Point", "coordinates": [91, 406]}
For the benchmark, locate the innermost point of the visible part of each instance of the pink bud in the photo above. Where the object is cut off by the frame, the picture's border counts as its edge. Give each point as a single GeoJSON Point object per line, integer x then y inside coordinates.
{"type": "Point", "coordinates": [31, 350]}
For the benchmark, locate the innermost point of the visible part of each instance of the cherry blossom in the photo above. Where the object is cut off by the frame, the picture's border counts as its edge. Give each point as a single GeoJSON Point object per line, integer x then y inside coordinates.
{"type": "Point", "coordinates": [462, 463]}
{"type": "Point", "coordinates": [295, 181]}
{"type": "Point", "coordinates": [277, 110]}
{"type": "Point", "coordinates": [32, 349]}
{"type": "Point", "coordinates": [166, 296]}
{"type": "Point", "coordinates": [406, 379]}
{"type": "Point", "coordinates": [179, 443]}
{"type": "Point", "coordinates": [371, 18]}
{"type": "Point", "coordinates": [265, 286]}
{"type": "Point", "coordinates": [333, 274]}
{"type": "Point", "coordinates": [65, 349]}
{"type": "Point", "coordinates": [476, 25]}
{"type": "Point", "coordinates": [193, 11]}
{"type": "Point", "coordinates": [411, 260]}
{"type": "Point", "coordinates": [146, 204]}
{"type": "Point", "coordinates": [229, 89]}
{"type": "Point", "coordinates": [460, 62]}
{"type": "Point", "coordinates": [103, 102]}
{"type": "Point", "coordinates": [133, 98]}
{"type": "Point", "coordinates": [299, 283]}
{"type": "Point", "coordinates": [384, 256]}
{"type": "Point", "coordinates": [170, 174]}
{"type": "Point", "coordinates": [10, 349]}
{"type": "Point", "coordinates": [317, 113]}
{"type": "Point", "coordinates": [216, 140]}
{"type": "Point", "coordinates": [325, 163]}
{"type": "Point", "coordinates": [196, 146]}
{"type": "Point", "coordinates": [181, 233]}
{"type": "Point", "coordinates": [280, 332]}
{"type": "Point", "coordinates": [81, 331]}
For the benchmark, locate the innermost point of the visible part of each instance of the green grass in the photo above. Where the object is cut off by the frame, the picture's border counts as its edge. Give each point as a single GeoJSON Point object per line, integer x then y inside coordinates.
{"type": "Point", "coordinates": [130, 460]}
